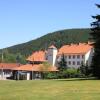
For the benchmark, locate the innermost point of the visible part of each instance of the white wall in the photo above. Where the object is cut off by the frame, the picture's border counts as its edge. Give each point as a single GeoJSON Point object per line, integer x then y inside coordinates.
{"type": "Point", "coordinates": [88, 57]}
{"type": "Point", "coordinates": [76, 60]}
{"type": "Point", "coordinates": [51, 56]}
{"type": "Point", "coordinates": [54, 56]}
{"type": "Point", "coordinates": [28, 76]}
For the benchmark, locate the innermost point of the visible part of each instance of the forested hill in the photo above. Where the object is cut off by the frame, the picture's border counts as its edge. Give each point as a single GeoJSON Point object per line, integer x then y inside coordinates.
{"type": "Point", "coordinates": [58, 38]}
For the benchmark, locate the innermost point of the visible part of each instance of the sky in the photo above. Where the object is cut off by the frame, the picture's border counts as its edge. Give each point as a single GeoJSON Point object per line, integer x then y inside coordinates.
{"type": "Point", "coordinates": [25, 20]}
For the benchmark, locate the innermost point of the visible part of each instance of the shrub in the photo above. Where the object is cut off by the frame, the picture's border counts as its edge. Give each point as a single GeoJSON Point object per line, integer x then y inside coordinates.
{"type": "Point", "coordinates": [50, 75]}
{"type": "Point", "coordinates": [71, 73]}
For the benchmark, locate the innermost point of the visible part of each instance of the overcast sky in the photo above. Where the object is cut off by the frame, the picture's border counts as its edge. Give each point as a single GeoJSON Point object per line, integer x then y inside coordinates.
{"type": "Point", "coordinates": [24, 20]}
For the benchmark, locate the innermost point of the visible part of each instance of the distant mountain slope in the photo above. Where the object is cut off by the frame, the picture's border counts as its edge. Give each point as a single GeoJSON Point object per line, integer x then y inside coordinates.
{"type": "Point", "coordinates": [58, 38]}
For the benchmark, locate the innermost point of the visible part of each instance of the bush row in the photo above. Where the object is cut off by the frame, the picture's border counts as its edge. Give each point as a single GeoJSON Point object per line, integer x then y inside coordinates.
{"type": "Point", "coordinates": [68, 73]}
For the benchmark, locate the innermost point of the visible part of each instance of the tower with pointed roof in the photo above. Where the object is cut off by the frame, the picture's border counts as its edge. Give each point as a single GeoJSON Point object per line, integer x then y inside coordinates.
{"type": "Point", "coordinates": [51, 55]}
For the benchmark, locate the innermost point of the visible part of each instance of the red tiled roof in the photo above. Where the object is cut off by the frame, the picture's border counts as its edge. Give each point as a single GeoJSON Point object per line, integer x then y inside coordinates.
{"type": "Point", "coordinates": [37, 56]}
{"type": "Point", "coordinates": [35, 67]}
{"type": "Point", "coordinates": [80, 48]}
{"type": "Point", "coordinates": [8, 65]}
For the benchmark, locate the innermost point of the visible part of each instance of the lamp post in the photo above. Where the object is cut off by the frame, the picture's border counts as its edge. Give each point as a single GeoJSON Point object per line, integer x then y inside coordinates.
{"type": "Point", "coordinates": [2, 65]}
{"type": "Point", "coordinates": [32, 68]}
{"type": "Point", "coordinates": [32, 73]}
{"type": "Point", "coordinates": [2, 72]}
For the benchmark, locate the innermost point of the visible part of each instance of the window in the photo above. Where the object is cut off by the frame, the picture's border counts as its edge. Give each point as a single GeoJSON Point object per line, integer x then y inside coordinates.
{"type": "Point", "coordinates": [82, 56]}
{"type": "Point", "coordinates": [69, 57]}
{"type": "Point", "coordinates": [78, 63]}
{"type": "Point", "coordinates": [73, 56]}
{"type": "Point", "coordinates": [69, 62]}
{"type": "Point", "coordinates": [73, 62]}
{"type": "Point", "coordinates": [65, 57]}
{"type": "Point", "coordinates": [78, 56]}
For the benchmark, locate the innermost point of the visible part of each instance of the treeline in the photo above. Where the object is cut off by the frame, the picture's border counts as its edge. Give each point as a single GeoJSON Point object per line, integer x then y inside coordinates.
{"type": "Point", "coordinates": [7, 57]}
{"type": "Point", "coordinates": [57, 38]}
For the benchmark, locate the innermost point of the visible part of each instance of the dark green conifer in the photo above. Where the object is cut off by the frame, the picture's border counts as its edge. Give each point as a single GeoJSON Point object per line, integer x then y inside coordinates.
{"type": "Point", "coordinates": [96, 43]}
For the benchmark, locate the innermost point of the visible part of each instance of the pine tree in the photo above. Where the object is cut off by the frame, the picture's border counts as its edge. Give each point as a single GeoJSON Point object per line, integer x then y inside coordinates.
{"type": "Point", "coordinates": [62, 67]}
{"type": "Point", "coordinates": [84, 69]}
{"type": "Point", "coordinates": [62, 63]}
{"type": "Point", "coordinates": [96, 43]}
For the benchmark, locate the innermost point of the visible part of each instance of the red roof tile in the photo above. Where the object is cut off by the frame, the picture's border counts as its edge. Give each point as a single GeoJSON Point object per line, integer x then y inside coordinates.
{"type": "Point", "coordinates": [35, 67]}
{"type": "Point", "coordinates": [37, 56]}
{"type": "Point", "coordinates": [80, 48]}
{"type": "Point", "coordinates": [8, 65]}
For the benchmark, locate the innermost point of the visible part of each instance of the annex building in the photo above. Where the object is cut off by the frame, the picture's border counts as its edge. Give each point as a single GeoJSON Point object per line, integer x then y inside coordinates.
{"type": "Point", "coordinates": [74, 54]}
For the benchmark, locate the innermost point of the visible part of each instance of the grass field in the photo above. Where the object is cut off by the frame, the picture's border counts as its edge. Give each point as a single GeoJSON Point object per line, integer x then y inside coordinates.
{"type": "Point", "coordinates": [70, 89]}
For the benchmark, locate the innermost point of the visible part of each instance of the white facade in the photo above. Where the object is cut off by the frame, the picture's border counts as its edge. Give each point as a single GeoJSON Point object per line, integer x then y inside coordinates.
{"type": "Point", "coordinates": [73, 60]}
{"type": "Point", "coordinates": [27, 76]}
{"type": "Point", "coordinates": [51, 55]}
{"type": "Point", "coordinates": [88, 57]}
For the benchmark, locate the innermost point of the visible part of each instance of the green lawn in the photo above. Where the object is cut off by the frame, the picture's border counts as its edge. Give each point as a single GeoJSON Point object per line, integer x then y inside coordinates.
{"type": "Point", "coordinates": [71, 89]}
